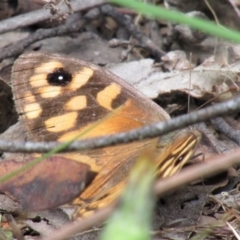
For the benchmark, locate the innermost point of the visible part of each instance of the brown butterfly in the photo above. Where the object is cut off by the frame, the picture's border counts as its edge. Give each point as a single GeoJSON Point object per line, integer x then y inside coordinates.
{"type": "Point", "coordinates": [58, 97]}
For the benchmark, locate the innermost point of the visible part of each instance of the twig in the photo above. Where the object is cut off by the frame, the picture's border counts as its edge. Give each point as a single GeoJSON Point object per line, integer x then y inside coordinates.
{"type": "Point", "coordinates": [17, 48]}
{"type": "Point", "coordinates": [209, 139]}
{"type": "Point", "coordinates": [82, 225]}
{"type": "Point", "coordinates": [162, 187]}
{"type": "Point", "coordinates": [221, 125]}
{"type": "Point", "coordinates": [149, 131]}
{"type": "Point", "coordinates": [70, 27]}
{"type": "Point", "coordinates": [233, 3]}
{"type": "Point", "coordinates": [42, 14]}
{"type": "Point", "coordinates": [132, 29]}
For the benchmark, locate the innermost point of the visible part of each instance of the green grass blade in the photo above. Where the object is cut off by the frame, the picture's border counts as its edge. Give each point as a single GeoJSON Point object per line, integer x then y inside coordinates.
{"type": "Point", "coordinates": [153, 11]}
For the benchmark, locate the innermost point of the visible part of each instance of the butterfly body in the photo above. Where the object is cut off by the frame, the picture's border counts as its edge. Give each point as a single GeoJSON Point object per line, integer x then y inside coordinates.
{"type": "Point", "coordinates": [58, 98]}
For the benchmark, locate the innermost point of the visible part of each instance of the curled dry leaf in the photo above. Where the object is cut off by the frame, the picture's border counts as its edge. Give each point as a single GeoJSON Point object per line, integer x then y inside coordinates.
{"type": "Point", "coordinates": [50, 183]}
{"type": "Point", "coordinates": [207, 81]}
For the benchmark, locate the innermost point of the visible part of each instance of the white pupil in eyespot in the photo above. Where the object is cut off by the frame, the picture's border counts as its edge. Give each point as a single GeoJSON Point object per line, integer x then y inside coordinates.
{"type": "Point", "coordinates": [60, 78]}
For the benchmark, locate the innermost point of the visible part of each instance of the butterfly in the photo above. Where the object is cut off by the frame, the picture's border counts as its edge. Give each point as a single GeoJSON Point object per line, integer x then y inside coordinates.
{"type": "Point", "coordinates": [59, 97]}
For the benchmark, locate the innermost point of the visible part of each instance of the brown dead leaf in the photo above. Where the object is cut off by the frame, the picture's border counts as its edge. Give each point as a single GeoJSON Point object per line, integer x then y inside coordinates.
{"type": "Point", "coordinates": [51, 183]}
{"type": "Point", "coordinates": [206, 81]}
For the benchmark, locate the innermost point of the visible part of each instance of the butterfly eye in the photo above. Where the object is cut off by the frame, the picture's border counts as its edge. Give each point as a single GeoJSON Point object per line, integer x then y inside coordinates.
{"type": "Point", "coordinates": [59, 77]}
{"type": "Point", "coordinates": [179, 160]}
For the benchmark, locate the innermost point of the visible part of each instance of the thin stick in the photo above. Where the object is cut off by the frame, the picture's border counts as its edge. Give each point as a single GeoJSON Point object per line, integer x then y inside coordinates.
{"type": "Point", "coordinates": [149, 131]}
{"type": "Point", "coordinates": [37, 16]}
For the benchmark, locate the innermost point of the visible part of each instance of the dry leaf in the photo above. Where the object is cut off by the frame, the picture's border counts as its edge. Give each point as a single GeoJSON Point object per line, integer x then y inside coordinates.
{"type": "Point", "coordinates": [51, 183]}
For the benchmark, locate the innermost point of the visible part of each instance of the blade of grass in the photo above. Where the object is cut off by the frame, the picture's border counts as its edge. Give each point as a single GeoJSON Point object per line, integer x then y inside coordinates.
{"type": "Point", "coordinates": [234, 231]}
{"type": "Point", "coordinates": [153, 11]}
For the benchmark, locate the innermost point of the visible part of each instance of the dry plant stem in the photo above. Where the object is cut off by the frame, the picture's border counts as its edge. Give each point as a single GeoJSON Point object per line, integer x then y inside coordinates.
{"type": "Point", "coordinates": [149, 131]}
{"type": "Point", "coordinates": [235, 7]}
{"type": "Point", "coordinates": [41, 15]}
{"type": "Point", "coordinates": [17, 48]}
{"type": "Point", "coordinates": [163, 186]}
{"type": "Point", "coordinates": [208, 137]}
{"type": "Point", "coordinates": [81, 226]}
{"type": "Point", "coordinates": [113, 43]}
{"type": "Point", "coordinates": [221, 125]}
{"type": "Point", "coordinates": [132, 29]}
{"type": "Point", "coordinates": [234, 123]}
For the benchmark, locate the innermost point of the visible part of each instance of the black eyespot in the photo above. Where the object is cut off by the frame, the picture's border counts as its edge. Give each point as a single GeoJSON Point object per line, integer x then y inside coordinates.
{"type": "Point", "coordinates": [59, 77]}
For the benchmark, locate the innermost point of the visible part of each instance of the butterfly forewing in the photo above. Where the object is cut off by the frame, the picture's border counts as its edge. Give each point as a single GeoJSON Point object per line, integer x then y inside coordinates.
{"type": "Point", "coordinates": [56, 95]}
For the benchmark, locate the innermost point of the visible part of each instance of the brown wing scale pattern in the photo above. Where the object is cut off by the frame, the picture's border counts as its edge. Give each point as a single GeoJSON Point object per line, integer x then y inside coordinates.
{"type": "Point", "coordinates": [59, 97]}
